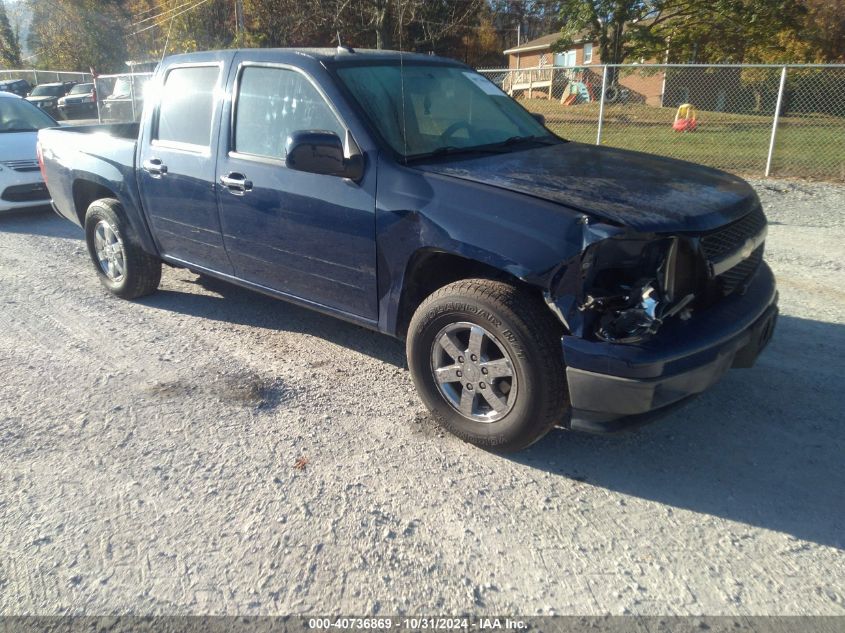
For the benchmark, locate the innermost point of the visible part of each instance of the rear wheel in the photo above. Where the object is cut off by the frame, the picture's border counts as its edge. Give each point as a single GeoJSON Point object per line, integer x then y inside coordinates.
{"type": "Point", "coordinates": [485, 357]}
{"type": "Point", "coordinates": [122, 266]}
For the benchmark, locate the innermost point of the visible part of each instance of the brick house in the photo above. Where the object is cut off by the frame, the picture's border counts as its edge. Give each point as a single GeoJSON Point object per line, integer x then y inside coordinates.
{"type": "Point", "coordinates": [535, 67]}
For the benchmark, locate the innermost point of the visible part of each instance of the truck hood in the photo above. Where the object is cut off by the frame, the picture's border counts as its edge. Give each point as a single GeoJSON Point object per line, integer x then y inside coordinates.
{"type": "Point", "coordinates": [42, 98]}
{"type": "Point", "coordinates": [17, 145]}
{"type": "Point", "coordinates": [640, 191]}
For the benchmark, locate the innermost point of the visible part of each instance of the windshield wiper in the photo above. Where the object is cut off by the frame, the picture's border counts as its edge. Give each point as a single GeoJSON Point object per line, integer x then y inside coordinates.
{"type": "Point", "coordinates": [491, 148]}
{"type": "Point", "coordinates": [21, 129]}
{"type": "Point", "coordinates": [514, 140]}
{"type": "Point", "coordinates": [447, 150]}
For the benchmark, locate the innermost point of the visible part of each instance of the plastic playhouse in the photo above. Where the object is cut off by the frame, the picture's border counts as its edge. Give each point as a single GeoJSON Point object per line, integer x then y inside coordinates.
{"type": "Point", "coordinates": [685, 118]}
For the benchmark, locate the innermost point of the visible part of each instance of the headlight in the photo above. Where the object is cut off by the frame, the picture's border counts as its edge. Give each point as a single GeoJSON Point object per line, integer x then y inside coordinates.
{"type": "Point", "coordinates": [631, 286]}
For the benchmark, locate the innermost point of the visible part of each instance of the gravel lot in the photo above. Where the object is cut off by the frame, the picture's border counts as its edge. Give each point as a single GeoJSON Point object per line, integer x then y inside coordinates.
{"type": "Point", "coordinates": [148, 455]}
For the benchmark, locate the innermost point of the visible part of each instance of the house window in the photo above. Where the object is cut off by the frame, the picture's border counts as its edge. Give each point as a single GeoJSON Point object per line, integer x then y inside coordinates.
{"type": "Point", "coordinates": [588, 53]}
{"type": "Point", "coordinates": [566, 59]}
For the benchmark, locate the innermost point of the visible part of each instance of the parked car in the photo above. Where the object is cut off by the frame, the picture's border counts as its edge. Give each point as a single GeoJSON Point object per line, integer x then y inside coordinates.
{"type": "Point", "coordinates": [20, 87]}
{"type": "Point", "coordinates": [126, 100]}
{"type": "Point", "coordinates": [80, 102]}
{"type": "Point", "coordinates": [21, 184]}
{"type": "Point", "coordinates": [46, 96]}
{"type": "Point", "coordinates": [536, 281]}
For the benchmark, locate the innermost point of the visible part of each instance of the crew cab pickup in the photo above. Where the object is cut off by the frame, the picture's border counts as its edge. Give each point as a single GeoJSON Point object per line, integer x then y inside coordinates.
{"type": "Point", "coordinates": [537, 282]}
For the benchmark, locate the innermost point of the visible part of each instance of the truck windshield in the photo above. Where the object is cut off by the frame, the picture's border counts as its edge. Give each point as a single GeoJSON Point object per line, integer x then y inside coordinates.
{"type": "Point", "coordinates": [81, 89]}
{"type": "Point", "coordinates": [424, 110]}
{"type": "Point", "coordinates": [17, 115]}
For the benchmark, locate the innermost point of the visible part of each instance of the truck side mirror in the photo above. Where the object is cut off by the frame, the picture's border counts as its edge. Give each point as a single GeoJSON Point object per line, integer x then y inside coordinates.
{"type": "Point", "coordinates": [541, 119]}
{"type": "Point", "coordinates": [321, 152]}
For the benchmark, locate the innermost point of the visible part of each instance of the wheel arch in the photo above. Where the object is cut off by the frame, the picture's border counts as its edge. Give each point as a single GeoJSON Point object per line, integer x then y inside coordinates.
{"type": "Point", "coordinates": [87, 191]}
{"type": "Point", "coordinates": [429, 269]}
{"type": "Point", "coordinates": [88, 188]}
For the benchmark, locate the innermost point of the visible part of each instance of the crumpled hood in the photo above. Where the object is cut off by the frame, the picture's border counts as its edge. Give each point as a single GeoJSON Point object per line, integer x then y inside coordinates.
{"type": "Point", "coordinates": [17, 145]}
{"type": "Point", "coordinates": [640, 191]}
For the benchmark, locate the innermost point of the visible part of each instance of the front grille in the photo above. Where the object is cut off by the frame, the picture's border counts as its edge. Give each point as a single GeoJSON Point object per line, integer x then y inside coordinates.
{"type": "Point", "coordinates": [21, 165]}
{"type": "Point", "coordinates": [36, 192]}
{"type": "Point", "coordinates": [724, 241]}
{"type": "Point", "coordinates": [735, 278]}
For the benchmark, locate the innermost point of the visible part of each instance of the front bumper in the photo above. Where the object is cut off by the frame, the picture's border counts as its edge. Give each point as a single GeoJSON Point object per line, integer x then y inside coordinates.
{"type": "Point", "coordinates": [71, 110]}
{"type": "Point", "coordinates": [612, 386]}
{"type": "Point", "coordinates": [21, 190]}
{"type": "Point", "coordinates": [52, 110]}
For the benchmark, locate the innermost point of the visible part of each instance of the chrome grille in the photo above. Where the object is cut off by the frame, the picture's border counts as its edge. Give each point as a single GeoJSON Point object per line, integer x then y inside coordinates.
{"type": "Point", "coordinates": [21, 165]}
{"type": "Point", "coordinates": [735, 278]}
{"type": "Point", "coordinates": [724, 241]}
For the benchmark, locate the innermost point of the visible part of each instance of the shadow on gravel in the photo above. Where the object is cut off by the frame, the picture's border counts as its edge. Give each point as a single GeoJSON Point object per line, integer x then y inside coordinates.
{"type": "Point", "coordinates": [39, 222]}
{"type": "Point", "coordinates": [765, 447]}
{"type": "Point", "coordinates": [245, 307]}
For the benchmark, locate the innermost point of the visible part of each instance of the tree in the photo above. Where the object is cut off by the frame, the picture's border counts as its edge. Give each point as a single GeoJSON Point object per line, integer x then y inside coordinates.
{"type": "Point", "coordinates": [78, 34]}
{"type": "Point", "coordinates": [206, 26]}
{"type": "Point", "coordinates": [10, 50]}
{"type": "Point", "coordinates": [271, 23]}
{"type": "Point", "coordinates": [410, 24]}
{"type": "Point", "coordinates": [825, 29]}
{"type": "Point", "coordinates": [684, 30]}
{"type": "Point", "coordinates": [482, 43]}
{"type": "Point", "coordinates": [734, 31]}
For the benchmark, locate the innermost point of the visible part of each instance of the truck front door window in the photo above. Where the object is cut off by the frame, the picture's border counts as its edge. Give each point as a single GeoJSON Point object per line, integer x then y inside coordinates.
{"type": "Point", "coordinates": [273, 103]}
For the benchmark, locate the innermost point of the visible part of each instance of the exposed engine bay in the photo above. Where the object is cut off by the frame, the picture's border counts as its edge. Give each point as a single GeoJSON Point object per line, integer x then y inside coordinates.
{"type": "Point", "coordinates": [628, 285]}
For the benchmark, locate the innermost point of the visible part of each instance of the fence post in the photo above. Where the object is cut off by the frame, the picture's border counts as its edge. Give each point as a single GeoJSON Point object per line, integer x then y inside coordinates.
{"type": "Point", "coordinates": [601, 104]}
{"type": "Point", "coordinates": [132, 94]}
{"type": "Point", "coordinates": [99, 99]}
{"type": "Point", "coordinates": [35, 74]}
{"type": "Point", "coordinates": [775, 121]}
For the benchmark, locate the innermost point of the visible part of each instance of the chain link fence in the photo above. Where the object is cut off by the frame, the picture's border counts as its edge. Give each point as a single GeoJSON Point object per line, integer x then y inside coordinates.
{"type": "Point", "coordinates": [35, 77]}
{"type": "Point", "coordinates": [755, 120]}
{"type": "Point", "coordinates": [120, 98]}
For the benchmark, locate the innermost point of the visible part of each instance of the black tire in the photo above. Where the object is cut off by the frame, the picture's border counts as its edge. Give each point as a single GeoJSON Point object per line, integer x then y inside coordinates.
{"type": "Point", "coordinates": [524, 329]}
{"type": "Point", "coordinates": [141, 272]}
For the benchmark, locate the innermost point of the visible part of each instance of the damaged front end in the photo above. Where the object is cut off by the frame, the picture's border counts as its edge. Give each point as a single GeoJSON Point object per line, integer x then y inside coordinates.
{"type": "Point", "coordinates": [625, 286]}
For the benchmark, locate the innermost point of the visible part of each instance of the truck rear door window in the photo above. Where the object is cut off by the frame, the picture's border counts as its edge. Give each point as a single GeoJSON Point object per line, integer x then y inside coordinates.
{"type": "Point", "coordinates": [187, 104]}
{"type": "Point", "coordinates": [274, 102]}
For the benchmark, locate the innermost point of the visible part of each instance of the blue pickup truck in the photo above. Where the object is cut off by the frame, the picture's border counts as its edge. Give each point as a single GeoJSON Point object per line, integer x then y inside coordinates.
{"type": "Point", "coordinates": [537, 282]}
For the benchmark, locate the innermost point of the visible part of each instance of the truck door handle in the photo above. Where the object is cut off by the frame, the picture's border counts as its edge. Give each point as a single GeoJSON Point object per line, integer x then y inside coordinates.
{"type": "Point", "coordinates": [236, 183]}
{"type": "Point", "coordinates": [154, 167]}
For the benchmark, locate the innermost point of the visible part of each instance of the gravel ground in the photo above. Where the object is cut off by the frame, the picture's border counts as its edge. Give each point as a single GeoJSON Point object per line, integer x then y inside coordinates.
{"type": "Point", "coordinates": [148, 458]}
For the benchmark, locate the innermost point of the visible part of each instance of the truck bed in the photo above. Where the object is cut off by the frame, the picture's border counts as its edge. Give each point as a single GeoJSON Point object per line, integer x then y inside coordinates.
{"type": "Point", "coordinates": [87, 157]}
{"type": "Point", "coordinates": [117, 130]}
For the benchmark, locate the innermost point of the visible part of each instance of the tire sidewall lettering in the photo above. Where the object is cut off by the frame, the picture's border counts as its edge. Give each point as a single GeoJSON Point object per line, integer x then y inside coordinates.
{"type": "Point", "coordinates": [484, 315]}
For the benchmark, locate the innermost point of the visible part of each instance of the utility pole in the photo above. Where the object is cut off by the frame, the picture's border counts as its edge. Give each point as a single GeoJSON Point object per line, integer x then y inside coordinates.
{"type": "Point", "coordinates": [239, 22]}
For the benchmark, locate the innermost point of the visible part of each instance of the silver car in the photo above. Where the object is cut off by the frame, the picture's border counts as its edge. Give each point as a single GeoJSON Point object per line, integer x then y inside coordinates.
{"type": "Point", "coordinates": [21, 183]}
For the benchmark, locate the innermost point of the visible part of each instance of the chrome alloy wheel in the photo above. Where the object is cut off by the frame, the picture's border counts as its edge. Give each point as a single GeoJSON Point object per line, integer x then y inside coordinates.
{"type": "Point", "coordinates": [473, 372]}
{"type": "Point", "coordinates": [110, 253]}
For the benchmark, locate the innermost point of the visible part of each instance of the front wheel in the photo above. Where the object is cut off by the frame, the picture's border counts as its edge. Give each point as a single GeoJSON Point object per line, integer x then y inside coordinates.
{"type": "Point", "coordinates": [485, 357]}
{"type": "Point", "coordinates": [122, 265]}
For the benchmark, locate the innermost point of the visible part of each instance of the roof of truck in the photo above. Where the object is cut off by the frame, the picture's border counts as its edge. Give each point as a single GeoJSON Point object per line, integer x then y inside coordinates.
{"type": "Point", "coordinates": [345, 54]}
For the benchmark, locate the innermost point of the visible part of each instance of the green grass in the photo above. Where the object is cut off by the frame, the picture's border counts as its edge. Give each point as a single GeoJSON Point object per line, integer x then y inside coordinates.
{"type": "Point", "coordinates": [809, 146]}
